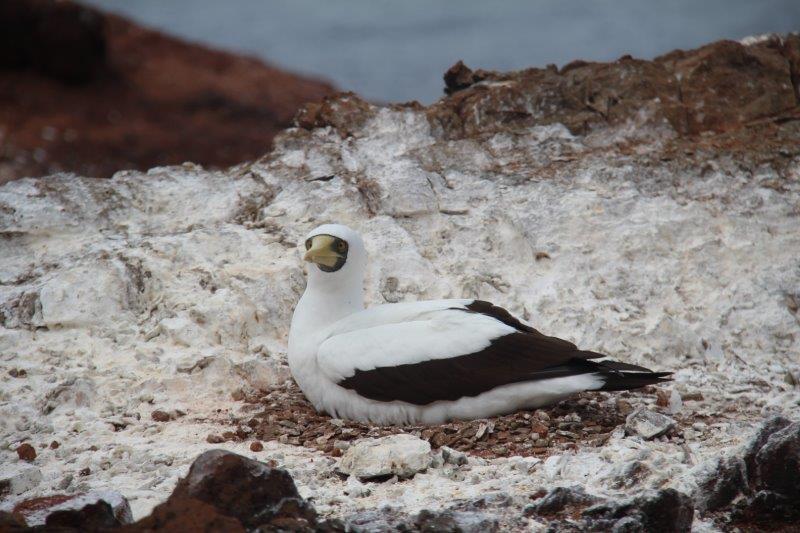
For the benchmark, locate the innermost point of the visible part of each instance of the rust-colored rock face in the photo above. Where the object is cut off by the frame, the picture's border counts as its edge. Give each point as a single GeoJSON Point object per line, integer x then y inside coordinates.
{"type": "Point", "coordinates": [185, 514]}
{"type": "Point", "coordinates": [725, 84]}
{"type": "Point", "coordinates": [716, 88]}
{"type": "Point", "coordinates": [345, 112]}
{"type": "Point", "coordinates": [243, 489]}
{"type": "Point", "coordinates": [92, 93]}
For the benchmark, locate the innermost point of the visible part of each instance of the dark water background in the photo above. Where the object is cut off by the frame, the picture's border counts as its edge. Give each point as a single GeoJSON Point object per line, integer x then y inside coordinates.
{"type": "Point", "coordinates": [397, 50]}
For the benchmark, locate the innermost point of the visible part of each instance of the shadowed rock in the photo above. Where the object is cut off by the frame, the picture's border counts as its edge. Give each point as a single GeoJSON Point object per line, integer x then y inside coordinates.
{"type": "Point", "coordinates": [244, 489]}
{"type": "Point", "coordinates": [762, 486]}
{"type": "Point", "coordinates": [93, 517]}
{"type": "Point", "coordinates": [662, 511]}
{"type": "Point", "coordinates": [560, 499]}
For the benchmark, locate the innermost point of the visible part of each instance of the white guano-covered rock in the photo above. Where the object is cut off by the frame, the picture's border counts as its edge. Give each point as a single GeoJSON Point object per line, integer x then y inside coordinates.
{"type": "Point", "coordinates": [16, 478]}
{"type": "Point", "coordinates": [118, 503]}
{"type": "Point", "coordinates": [648, 424]}
{"type": "Point", "coordinates": [173, 289]}
{"type": "Point", "coordinates": [400, 455]}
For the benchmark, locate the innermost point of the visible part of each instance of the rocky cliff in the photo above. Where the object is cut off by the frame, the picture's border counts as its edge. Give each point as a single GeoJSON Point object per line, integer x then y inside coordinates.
{"type": "Point", "coordinates": [92, 93]}
{"type": "Point", "coordinates": [648, 210]}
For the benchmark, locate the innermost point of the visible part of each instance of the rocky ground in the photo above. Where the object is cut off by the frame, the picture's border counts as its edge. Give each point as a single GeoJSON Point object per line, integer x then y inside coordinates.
{"type": "Point", "coordinates": [648, 210]}
{"type": "Point", "coordinates": [92, 93]}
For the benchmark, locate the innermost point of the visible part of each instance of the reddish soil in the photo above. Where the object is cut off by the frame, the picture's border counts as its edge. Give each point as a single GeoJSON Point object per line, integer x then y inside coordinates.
{"type": "Point", "coordinates": [284, 415]}
{"type": "Point", "coordinates": [93, 93]}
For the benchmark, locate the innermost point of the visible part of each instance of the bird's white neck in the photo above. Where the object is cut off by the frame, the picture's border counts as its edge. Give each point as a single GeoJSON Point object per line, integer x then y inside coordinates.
{"type": "Point", "coordinates": [322, 306]}
{"type": "Point", "coordinates": [327, 299]}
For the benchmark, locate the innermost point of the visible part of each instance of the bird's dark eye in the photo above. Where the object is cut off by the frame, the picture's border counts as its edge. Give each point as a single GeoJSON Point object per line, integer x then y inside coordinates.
{"type": "Point", "coordinates": [308, 244]}
{"type": "Point", "coordinates": [341, 246]}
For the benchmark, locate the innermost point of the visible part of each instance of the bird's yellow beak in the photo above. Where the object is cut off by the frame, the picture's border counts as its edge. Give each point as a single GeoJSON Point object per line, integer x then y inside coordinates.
{"type": "Point", "coordinates": [321, 251]}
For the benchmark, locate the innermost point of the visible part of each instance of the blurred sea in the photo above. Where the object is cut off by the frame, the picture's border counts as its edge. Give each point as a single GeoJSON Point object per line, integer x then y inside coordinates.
{"type": "Point", "coordinates": [397, 50]}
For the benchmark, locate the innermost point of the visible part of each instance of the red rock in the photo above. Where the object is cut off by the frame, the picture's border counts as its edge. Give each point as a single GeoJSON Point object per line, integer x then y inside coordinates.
{"type": "Point", "coordinates": [164, 416]}
{"type": "Point", "coordinates": [26, 452]}
{"type": "Point", "coordinates": [93, 517]}
{"type": "Point", "coordinates": [344, 112]}
{"type": "Point", "coordinates": [719, 87]}
{"type": "Point", "coordinates": [541, 429]}
{"type": "Point", "coordinates": [256, 446]}
{"type": "Point", "coordinates": [244, 489]}
{"type": "Point", "coordinates": [662, 397]}
{"type": "Point", "coordinates": [725, 84]}
{"type": "Point", "coordinates": [54, 445]}
{"type": "Point", "coordinates": [185, 514]}
{"type": "Point", "coordinates": [36, 511]}
{"type": "Point", "coordinates": [135, 97]}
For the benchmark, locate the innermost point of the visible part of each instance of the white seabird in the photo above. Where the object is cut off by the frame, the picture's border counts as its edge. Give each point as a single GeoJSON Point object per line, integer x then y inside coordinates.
{"type": "Point", "coordinates": [426, 362]}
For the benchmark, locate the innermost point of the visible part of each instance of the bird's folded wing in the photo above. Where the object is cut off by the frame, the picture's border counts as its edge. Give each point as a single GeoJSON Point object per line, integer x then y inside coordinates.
{"type": "Point", "coordinates": [445, 355]}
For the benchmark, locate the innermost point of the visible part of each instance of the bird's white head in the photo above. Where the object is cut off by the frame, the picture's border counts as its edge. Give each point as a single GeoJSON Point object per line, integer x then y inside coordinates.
{"type": "Point", "coordinates": [337, 259]}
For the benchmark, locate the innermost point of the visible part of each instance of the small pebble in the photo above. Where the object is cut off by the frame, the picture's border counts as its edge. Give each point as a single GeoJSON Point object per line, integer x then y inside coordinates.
{"type": "Point", "coordinates": [256, 446]}
{"type": "Point", "coordinates": [26, 452]}
{"type": "Point", "coordinates": [160, 416]}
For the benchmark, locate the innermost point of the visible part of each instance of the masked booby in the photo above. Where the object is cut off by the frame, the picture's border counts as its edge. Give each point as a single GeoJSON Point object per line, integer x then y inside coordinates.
{"type": "Point", "coordinates": [431, 361]}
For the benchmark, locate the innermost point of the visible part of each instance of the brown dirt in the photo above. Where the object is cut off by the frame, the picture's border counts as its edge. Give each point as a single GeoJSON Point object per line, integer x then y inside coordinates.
{"type": "Point", "coordinates": [93, 93]}
{"type": "Point", "coordinates": [587, 419]}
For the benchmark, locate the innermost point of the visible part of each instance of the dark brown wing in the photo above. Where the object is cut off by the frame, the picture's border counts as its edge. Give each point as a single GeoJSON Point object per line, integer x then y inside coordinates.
{"type": "Point", "coordinates": [525, 355]}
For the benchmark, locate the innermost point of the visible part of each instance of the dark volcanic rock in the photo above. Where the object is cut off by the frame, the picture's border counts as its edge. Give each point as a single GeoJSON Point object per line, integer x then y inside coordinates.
{"type": "Point", "coordinates": [769, 509]}
{"type": "Point", "coordinates": [774, 424]}
{"type": "Point", "coordinates": [247, 490]}
{"type": "Point", "coordinates": [662, 511]}
{"type": "Point", "coordinates": [560, 499]}
{"type": "Point", "coordinates": [93, 517]}
{"type": "Point", "coordinates": [185, 514]}
{"type": "Point", "coordinates": [777, 463]}
{"type": "Point", "coordinates": [388, 520]}
{"type": "Point", "coordinates": [455, 522]}
{"type": "Point", "coordinates": [458, 77]}
{"type": "Point", "coordinates": [721, 485]}
{"type": "Point", "coordinates": [761, 488]}
{"type": "Point", "coordinates": [62, 40]}
{"type": "Point", "coordinates": [773, 462]}
{"type": "Point", "coordinates": [383, 520]}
